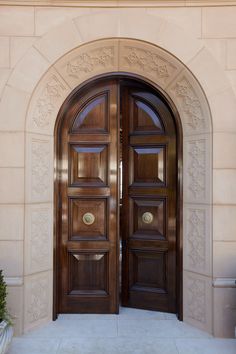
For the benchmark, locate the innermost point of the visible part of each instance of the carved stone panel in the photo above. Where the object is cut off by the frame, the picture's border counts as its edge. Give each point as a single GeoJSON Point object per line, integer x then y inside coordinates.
{"type": "Point", "coordinates": [38, 299]}
{"type": "Point", "coordinates": [147, 60]}
{"type": "Point", "coordinates": [198, 238]}
{"type": "Point", "coordinates": [197, 300]}
{"type": "Point", "coordinates": [38, 238]}
{"type": "Point", "coordinates": [46, 102]}
{"type": "Point", "coordinates": [39, 168]}
{"type": "Point", "coordinates": [83, 63]}
{"type": "Point", "coordinates": [191, 104]}
{"type": "Point", "coordinates": [197, 171]}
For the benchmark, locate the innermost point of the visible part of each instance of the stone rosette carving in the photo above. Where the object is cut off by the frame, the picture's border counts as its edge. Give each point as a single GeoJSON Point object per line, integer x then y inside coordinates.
{"type": "Point", "coordinates": [196, 168]}
{"type": "Point", "coordinates": [38, 299]}
{"type": "Point", "coordinates": [196, 221]}
{"type": "Point", "coordinates": [40, 170]}
{"type": "Point", "coordinates": [47, 102]}
{"type": "Point", "coordinates": [196, 299]}
{"type": "Point", "coordinates": [89, 61]}
{"type": "Point", "coordinates": [190, 106]}
{"type": "Point", "coordinates": [148, 62]}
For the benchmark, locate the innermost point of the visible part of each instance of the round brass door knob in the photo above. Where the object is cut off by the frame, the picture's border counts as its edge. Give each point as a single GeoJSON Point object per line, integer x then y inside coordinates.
{"type": "Point", "coordinates": [147, 217]}
{"type": "Point", "coordinates": [88, 218]}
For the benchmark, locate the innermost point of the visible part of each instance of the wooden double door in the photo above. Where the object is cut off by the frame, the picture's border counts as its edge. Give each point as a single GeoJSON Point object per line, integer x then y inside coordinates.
{"type": "Point", "coordinates": [116, 194]}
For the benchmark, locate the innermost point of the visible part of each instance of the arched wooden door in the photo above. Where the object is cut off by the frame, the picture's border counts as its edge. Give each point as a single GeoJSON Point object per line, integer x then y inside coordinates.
{"type": "Point", "coordinates": [109, 126]}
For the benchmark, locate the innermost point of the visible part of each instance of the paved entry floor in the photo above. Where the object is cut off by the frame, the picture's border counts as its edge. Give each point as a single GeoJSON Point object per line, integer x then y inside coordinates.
{"type": "Point", "coordinates": [131, 332]}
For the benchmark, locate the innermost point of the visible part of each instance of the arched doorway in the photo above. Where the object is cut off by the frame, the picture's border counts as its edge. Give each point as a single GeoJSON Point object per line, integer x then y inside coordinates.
{"type": "Point", "coordinates": [118, 150]}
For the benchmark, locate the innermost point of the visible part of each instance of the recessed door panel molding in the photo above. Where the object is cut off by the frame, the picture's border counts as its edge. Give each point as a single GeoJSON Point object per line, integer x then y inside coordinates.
{"type": "Point", "coordinates": [149, 201]}
{"type": "Point", "coordinates": [149, 165]}
{"type": "Point", "coordinates": [88, 199]}
{"type": "Point", "coordinates": [93, 117]}
{"type": "Point", "coordinates": [88, 219]}
{"type": "Point", "coordinates": [89, 164]}
{"type": "Point", "coordinates": [117, 158]}
{"type": "Point", "coordinates": [145, 119]}
{"type": "Point", "coordinates": [149, 218]}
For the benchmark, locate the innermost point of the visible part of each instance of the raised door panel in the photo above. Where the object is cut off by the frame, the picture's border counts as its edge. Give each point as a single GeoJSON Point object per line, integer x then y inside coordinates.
{"type": "Point", "coordinates": [148, 165]}
{"type": "Point", "coordinates": [149, 199]}
{"type": "Point", "coordinates": [144, 117]}
{"type": "Point", "coordinates": [149, 218]}
{"type": "Point", "coordinates": [88, 219]}
{"type": "Point", "coordinates": [89, 164]}
{"type": "Point", "coordinates": [88, 267]}
{"type": "Point", "coordinates": [93, 117]}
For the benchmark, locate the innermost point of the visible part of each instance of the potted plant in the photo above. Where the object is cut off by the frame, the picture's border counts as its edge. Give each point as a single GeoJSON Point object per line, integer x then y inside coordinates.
{"type": "Point", "coordinates": [6, 330]}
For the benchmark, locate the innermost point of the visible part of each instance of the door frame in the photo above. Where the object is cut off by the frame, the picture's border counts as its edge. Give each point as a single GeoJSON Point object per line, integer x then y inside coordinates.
{"type": "Point", "coordinates": [179, 204]}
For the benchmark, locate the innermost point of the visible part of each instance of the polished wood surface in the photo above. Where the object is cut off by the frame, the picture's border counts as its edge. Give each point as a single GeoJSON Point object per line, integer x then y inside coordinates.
{"type": "Point", "coordinates": [88, 194]}
{"type": "Point", "coordinates": [88, 185]}
{"type": "Point", "coordinates": [148, 216]}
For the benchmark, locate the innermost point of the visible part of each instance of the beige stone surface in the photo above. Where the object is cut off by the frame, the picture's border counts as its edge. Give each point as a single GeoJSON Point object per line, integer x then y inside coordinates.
{"type": "Point", "coordinates": [15, 307]}
{"type": "Point", "coordinates": [12, 149]}
{"type": "Point", "coordinates": [209, 73]}
{"type": "Point", "coordinates": [189, 19]}
{"type": "Point", "coordinates": [197, 253]}
{"type": "Point", "coordinates": [150, 61]}
{"type": "Point", "coordinates": [39, 169]}
{"type": "Point", "coordinates": [224, 312]}
{"type": "Point", "coordinates": [224, 222]}
{"type": "Point", "coordinates": [48, 97]}
{"type": "Point", "coordinates": [4, 52]}
{"type": "Point", "coordinates": [219, 22]}
{"type": "Point", "coordinates": [223, 110]}
{"type": "Point", "coordinates": [231, 54]}
{"type": "Point", "coordinates": [224, 147]}
{"type": "Point", "coordinates": [86, 62]}
{"type": "Point", "coordinates": [197, 300]}
{"type": "Point", "coordinates": [197, 172]}
{"type": "Point", "coordinates": [16, 21]}
{"type": "Point", "coordinates": [28, 71]}
{"type": "Point", "coordinates": [191, 103]}
{"type": "Point", "coordinates": [11, 258]}
{"type": "Point", "coordinates": [18, 47]}
{"type": "Point", "coordinates": [48, 17]}
{"type": "Point", "coordinates": [64, 38]}
{"type": "Point", "coordinates": [4, 75]}
{"type": "Point", "coordinates": [12, 185]}
{"type": "Point", "coordinates": [134, 24]}
{"type": "Point", "coordinates": [12, 222]}
{"type": "Point", "coordinates": [12, 116]}
{"type": "Point", "coordinates": [217, 47]}
{"type": "Point", "coordinates": [38, 243]}
{"type": "Point", "coordinates": [224, 260]}
{"type": "Point", "coordinates": [95, 26]}
{"type": "Point", "coordinates": [37, 300]}
{"type": "Point", "coordinates": [231, 74]}
{"type": "Point", "coordinates": [224, 187]}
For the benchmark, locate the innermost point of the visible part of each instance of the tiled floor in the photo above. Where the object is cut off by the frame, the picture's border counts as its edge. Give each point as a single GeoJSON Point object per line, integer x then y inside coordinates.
{"type": "Point", "coordinates": [130, 332]}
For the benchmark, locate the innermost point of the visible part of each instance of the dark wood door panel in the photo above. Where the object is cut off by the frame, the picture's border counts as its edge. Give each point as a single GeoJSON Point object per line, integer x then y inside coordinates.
{"type": "Point", "coordinates": [88, 189]}
{"type": "Point", "coordinates": [149, 200]}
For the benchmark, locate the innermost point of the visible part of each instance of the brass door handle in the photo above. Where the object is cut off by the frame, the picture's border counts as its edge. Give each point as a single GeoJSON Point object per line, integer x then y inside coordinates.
{"type": "Point", "coordinates": [88, 218]}
{"type": "Point", "coordinates": [147, 217]}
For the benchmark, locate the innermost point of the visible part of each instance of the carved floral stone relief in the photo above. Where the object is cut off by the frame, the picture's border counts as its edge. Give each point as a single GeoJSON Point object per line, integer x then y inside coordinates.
{"type": "Point", "coordinates": [147, 62]}
{"type": "Point", "coordinates": [195, 184]}
{"type": "Point", "coordinates": [40, 245]}
{"type": "Point", "coordinates": [39, 170]}
{"type": "Point", "coordinates": [196, 299]}
{"type": "Point", "coordinates": [47, 102]}
{"type": "Point", "coordinates": [38, 298]}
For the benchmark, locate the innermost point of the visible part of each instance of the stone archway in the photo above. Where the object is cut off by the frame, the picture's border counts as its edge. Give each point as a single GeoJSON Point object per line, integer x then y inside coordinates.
{"type": "Point", "coordinates": [164, 70]}
{"type": "Point", "coordinates": [42, 80]}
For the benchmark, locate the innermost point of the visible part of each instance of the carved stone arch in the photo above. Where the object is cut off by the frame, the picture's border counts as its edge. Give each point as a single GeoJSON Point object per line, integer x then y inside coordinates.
{"type": "Point", "coordinates": [165, 71]}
